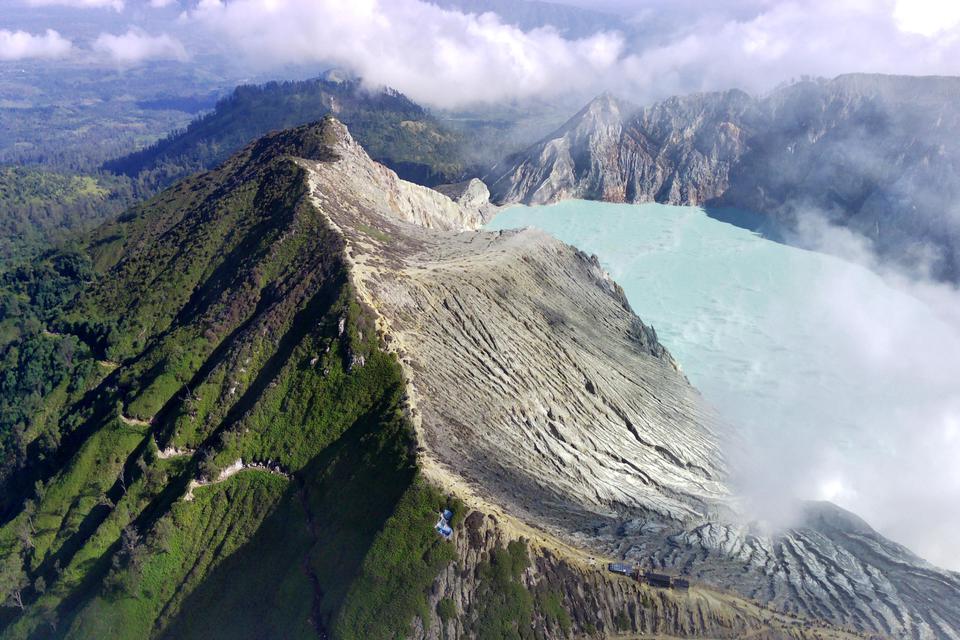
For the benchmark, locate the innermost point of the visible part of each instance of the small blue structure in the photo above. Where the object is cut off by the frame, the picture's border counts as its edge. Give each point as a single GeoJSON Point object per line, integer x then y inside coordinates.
{"type": "Point", "coordinates": [443, 524]}
{"type": "Point", "coordinates": [621, 568]}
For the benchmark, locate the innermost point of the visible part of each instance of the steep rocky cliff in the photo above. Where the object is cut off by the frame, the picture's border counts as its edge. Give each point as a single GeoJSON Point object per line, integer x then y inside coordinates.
{"type": "Point", "coordinates": [876, 153]}
{"type": "Point", "coordinates": [538, 394]}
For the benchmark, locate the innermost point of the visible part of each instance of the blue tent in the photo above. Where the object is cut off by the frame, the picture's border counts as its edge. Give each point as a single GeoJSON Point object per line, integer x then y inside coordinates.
{"type": "Point", "coordinates": [443, 524]}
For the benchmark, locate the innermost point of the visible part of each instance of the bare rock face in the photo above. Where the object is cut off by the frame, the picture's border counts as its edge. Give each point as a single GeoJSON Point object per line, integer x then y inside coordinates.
{"type": "Point", "coordinates": [877, 153]}
{"type": "Point", "coordinates": [379, 189]}
{"type": "Point", "coordinates": [533, 379]}
{"type": "Point", "coordinates": [679, 152]}
{"type": "Point", "coordinates": [538, 396]}
{"type": "Point", "coordinates": [471, 194]}
{"type": "Point", "coordinates": [580, 160]}
{"type": "Point", "coordinates": [596, 602]}
{"type": "Point", "coordinates": [832, 566]}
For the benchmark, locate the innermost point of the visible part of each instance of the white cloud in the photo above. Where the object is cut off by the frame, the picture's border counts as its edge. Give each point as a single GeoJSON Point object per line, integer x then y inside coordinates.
{"type": "Point", "coordinates": [898, 468]}
{"type": "Point", "coordinates": [135, 46]}
{"type": "Point", "coordinates": [116, 5]}
{"type": "Point", "coordinates": [790, 39]}
{"type": "Point", "coordinates": [160, 4]}
{"type": "Point", "coordinates": [20, 45]}
{"type": "Point", "coordinates": [448, 58]}
{"type": "Point", "coordinates": [441, 57]}
{"type": "Point", "coordinates": [926, 17]}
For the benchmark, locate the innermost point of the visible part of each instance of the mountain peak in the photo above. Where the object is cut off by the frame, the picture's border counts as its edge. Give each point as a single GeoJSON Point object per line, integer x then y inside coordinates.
{"type": "Point", "coordinates": [605, 109]}
{"type": "Point", "coordinates": [324, 140]}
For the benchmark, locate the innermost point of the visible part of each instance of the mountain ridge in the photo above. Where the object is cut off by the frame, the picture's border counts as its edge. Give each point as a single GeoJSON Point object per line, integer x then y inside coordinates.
{"type": "Point", "coordinates": [546, 451]}
{"type": "Point", "coordinates": [870, 152]}
{"type": "Point", "coordinates": [301, 308]}
{"type": "Point", "coordinates": [399, 132]}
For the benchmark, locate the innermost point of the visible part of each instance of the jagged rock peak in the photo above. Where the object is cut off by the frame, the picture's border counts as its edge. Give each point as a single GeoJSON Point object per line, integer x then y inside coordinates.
{"type": "Point", "coordinates": [340, 165]}
{"type": "Point", "coordinates": [473, 194]}
{"type": "Point", "coordinates": [769, 154]}
{"type": "Point", "coordinates": [604, 109]}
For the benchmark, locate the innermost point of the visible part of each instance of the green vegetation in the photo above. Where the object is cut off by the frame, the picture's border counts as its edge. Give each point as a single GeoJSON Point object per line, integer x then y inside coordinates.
{"type": "Point", "coordinates": [236, 335]}
{"type": "Point", "coordinates": [57, 128]}
{"type": "Point", "coordinates": [74, 119]}
{"type": "Point", "coordinates": [446, 610]}
{"type": "Point", "coordinates": [502, 606]}
{"type": "Point", "coordinates": [39, 206]}
{"type": "Point", "coordinates": [394, 578]}
{"type": "Point", "coordinates": [550, 604]}
{"type": "Point", "coordinates": [622, 621]}
{"type": "Point", "coordinates": [39, 372]}
{"type": "Point", "coordinates": [394, 130]}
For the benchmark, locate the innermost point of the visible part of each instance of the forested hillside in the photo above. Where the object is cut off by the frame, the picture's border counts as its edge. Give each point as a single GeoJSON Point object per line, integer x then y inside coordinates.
{"type": "Point", "coordinates": [39, 205]}
{"type": "Point", "coordinates": [396, 131]}
{"type": "Point", "coordinates": [215, 341]}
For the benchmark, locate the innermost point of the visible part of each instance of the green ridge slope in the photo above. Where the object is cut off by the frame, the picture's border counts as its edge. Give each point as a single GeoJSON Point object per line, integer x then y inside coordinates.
{"type": "Point", "coordinates": [226, 330]}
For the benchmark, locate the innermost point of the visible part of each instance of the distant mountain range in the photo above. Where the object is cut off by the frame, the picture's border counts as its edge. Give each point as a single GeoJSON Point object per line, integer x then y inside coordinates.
{"type": "Point", "coordinates": [400, 133]}
{"type": "Point", "coordinates": [878, 154]}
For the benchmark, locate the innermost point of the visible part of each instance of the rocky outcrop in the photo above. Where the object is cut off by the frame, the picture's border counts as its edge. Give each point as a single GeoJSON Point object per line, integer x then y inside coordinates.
{"type": "Point", "coordinates": [541, 399]}
{"type": "Point", "coordinates": [832, 566]}
{"type": "Point", "coordinates": [679, 151]}
{"type": "Point", "coordinates": [533, 379]}
{"type": "Point", "coordinates": [473, 195]}
{"type": "Point", "coordinates": [597, 602]}
{"type": "Point", "coordinates": [877, 153]}
{"type": "Point", "coordinates": [377, 188]}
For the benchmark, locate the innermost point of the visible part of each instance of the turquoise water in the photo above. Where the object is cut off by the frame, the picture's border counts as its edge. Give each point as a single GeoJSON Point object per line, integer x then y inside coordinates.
{"type": "Point", "coordinates": [845, 382]}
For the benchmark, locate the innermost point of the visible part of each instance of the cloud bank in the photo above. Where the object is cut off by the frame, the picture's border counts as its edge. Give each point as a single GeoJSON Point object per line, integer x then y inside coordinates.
{"type": "Point", "coordinates": [135, 46]}
{"type": "Point", "coordinates": [449, 58]}
{"type": "Point", "coordinates": [20, 45]}
{"type": "Point", "coordinates": [442, 57]}
{"type": "Point", "coordinates": [652, 48]}
{"type": "Point", "coordinates": [116, 5]}
{"type": "Point", "coordinates": [887, 440]}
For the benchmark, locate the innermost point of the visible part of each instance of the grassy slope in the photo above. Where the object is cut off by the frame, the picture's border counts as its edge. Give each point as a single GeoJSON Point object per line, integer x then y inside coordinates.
{"type": "Point", "coordinates": [222, 300]}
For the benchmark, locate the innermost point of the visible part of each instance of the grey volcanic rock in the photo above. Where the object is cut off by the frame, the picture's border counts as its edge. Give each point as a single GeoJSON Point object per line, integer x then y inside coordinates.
{"type": "Point", "coordinates": [602, 604]}
{"type": "Point", "coordinates": [831, 565]}
{"type": "Point", "coordinates": [556, 392]}
{"type": "Point", "coordinates": [581, 160]}
{"type": "Point", "coordinates": [679, 151]}
{"type": "Point", "coordinates": [880, 154]}
{"type": "Point", "coordinates": [471, 194]}
{"type": "Point", "coordinates": [539, 396]}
